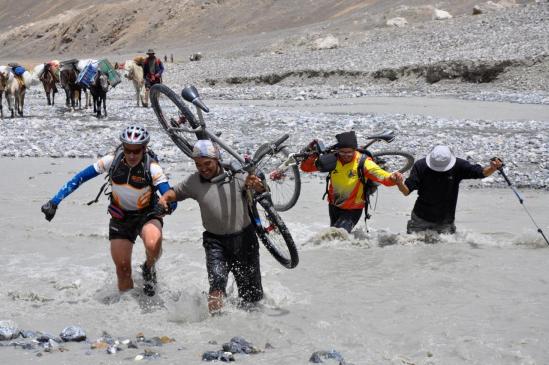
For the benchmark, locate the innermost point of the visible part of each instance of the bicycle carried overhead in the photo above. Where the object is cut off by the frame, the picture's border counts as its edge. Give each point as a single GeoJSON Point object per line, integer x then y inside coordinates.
{"type": "Point", "coordinates": [181, 125]}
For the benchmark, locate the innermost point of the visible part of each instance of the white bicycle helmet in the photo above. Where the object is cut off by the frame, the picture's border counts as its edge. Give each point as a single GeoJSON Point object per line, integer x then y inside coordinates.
{"type": "Point", "coordinates": [135, 134]}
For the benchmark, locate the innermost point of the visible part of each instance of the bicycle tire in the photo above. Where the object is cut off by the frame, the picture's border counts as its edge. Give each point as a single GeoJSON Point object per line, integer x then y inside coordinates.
{"type": "Point", "coordinates": [392, 161]}
{"type": "Point", "coordinates": [274, 234]}
{"type": "Point", "coordinates": [285, 186]}
{"type": "Point", "coordinates": [182, 140]}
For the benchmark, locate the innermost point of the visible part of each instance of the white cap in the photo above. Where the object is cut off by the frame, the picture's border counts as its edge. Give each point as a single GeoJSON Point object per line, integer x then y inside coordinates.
{"type": "Point", "coordinates": [441, 158]}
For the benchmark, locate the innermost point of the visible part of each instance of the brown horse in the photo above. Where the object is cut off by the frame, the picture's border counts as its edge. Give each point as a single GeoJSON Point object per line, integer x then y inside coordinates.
{"type": "Point", "coordinates": [71, 87]}
{"type": "Point", "coordinates": [3, 86]}
{"type": "Point", "coordinates": [49, 81]}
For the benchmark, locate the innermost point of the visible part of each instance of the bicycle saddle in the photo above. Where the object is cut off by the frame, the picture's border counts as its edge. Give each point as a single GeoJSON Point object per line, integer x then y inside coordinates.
{"type": "Point", "coordinates": [190, 94]}
{"type": "Point", "coordinates": [386, 135]}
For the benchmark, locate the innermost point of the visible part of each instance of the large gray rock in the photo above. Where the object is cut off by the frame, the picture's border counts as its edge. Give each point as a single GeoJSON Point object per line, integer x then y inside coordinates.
{"type": "Point", "coordinates": [8, 330]}
{"type": "Point", "coordinates": [73, 333]}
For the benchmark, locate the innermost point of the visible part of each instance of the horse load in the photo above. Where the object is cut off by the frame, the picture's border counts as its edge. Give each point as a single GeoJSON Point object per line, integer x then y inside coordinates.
{"type": "Point", "coordinates": [88, 73]}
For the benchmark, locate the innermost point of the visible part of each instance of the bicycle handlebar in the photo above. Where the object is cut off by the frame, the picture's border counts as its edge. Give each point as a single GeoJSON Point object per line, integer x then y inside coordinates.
{"type": "Point", "coordinates": [251, 164]}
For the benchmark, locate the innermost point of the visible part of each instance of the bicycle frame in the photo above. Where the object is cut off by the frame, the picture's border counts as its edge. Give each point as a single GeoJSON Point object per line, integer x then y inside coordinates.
{"type": "Point", "coordinates": [203, 129]}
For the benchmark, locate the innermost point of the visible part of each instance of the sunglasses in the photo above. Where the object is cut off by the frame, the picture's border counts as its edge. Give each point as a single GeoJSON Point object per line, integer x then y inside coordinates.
{"type": "Point", "coordinates": [133, 151]}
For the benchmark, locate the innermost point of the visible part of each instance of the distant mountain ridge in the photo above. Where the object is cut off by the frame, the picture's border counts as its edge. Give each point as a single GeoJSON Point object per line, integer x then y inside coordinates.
{"type": "Point", "coordinates": [59, 28]}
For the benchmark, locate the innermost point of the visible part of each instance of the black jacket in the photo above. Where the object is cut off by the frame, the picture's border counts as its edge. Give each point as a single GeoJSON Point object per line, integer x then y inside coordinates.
{"type": "Point", "coordinates": [438, 191]}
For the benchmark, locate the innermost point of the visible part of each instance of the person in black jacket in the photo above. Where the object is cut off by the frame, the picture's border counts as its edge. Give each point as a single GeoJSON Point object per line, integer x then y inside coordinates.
{"type": "Point", "coordinates": [436, 179]}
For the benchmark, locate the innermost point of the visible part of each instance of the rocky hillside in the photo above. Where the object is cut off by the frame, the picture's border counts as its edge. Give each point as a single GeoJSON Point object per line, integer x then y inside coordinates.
{"type": "Point", "coordinates": [65, 28]}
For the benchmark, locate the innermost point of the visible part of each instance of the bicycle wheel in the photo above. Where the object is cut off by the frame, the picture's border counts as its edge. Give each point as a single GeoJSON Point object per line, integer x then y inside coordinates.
{"type": "Point", "coordinates": [273, 233]}
{"type": "Point", "coordinates": [171, 112]}
{"type": "Point", "coordinates": [284, 184]}
{"type": "Point", "coordinates": [392, 161]}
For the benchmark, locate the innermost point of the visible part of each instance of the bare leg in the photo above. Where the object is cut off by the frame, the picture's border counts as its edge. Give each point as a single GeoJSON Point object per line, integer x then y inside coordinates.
{"type": "Point", "coordinates": [151, 234]}
{"type": "Point", "coordinates": [121, 252]}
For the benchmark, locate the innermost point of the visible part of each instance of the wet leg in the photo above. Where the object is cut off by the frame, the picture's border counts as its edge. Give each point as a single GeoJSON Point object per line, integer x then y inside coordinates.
{"type": "Point", "coordinates": [121, 252]}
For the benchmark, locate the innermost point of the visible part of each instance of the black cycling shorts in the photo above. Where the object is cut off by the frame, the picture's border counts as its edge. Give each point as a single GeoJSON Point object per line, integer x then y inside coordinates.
{"type": "Point", "coordinates": [237, 253]}
{"type": "Point", "coordinates": [130, 227]}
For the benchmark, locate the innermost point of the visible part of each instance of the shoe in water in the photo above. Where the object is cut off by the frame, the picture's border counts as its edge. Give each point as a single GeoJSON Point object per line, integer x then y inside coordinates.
{"type": "Point", "coordinates": [149, 279]}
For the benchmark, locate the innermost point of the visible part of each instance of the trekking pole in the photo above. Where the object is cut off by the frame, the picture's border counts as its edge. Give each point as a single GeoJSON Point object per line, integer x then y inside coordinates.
{"type": "Point", "coordinates": [502, 173]}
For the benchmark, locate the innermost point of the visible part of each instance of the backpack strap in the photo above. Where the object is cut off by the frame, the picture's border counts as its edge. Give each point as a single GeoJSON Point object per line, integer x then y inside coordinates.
{"type": "Point", "coordinates": [149, 157]}
{"type": "Point", "coordinates": [118, 156]}
{"type": "Point", "coordinates": [364, 181]}
{"type": "Point", "coordinates": [327, 184]}
{"type": "Point", "coordinates": [98, 194]}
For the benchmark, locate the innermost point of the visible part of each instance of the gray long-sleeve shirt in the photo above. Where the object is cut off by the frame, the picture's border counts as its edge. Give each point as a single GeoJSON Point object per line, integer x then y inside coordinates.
{"type": "Point", "coordinates": [222, 206]}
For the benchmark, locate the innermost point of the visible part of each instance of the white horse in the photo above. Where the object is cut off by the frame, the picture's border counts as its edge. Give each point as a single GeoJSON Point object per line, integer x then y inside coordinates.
{"type": "Point", "coordinates": [134, 72]}
{"type": "Point", "coordinates": [15, 90]}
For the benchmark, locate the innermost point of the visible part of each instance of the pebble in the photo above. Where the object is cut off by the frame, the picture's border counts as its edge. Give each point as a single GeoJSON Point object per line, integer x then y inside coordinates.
{"type": "Point", "coordinates": [113, 349]}
{"type": "Point", "coordinates": [217, 356]}
{"type": "Point", "coordinates": [318, 357]}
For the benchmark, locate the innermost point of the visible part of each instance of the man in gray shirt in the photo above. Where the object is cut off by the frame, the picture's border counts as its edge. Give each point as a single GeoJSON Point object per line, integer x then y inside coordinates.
{"type": "Point", "coordinates": [229, 240]}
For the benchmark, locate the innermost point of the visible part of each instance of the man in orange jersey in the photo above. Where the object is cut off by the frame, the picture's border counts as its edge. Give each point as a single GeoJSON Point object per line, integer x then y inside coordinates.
{"type": "Point", "coordinates": [349, 171]}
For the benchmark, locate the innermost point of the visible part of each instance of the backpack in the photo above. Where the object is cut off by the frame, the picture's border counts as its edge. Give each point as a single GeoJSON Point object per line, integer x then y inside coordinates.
{"type": "Point", "coordinates": [369, 186]}
{"type": "Point", "coordinates": [148, 157]}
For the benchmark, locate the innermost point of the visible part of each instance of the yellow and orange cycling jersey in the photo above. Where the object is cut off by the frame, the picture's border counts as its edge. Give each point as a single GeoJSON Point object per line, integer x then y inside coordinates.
{"type": "Point", "coordinates": [345, 189]}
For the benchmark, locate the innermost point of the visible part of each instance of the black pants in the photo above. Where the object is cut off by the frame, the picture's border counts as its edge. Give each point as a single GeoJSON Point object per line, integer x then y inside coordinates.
{"type": "Point", "coordinates": [417, 224]}
{"type": "Point", "coordinates": [344, 218]}
{"type": "Point", "coordinates": [237, 253]}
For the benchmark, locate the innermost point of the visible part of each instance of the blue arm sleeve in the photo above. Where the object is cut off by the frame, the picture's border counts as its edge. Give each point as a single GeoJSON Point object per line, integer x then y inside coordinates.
{"type": "Point", "coordinates": [73, 184]}
{"type": "Point", "coordinates": [161, 67]}
{"type": "Point", "coordinates": [162, 188]}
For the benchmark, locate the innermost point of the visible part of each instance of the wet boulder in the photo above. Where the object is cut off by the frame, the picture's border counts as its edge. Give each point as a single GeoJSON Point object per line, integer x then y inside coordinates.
{"type": "Point", "coordinates": [238, 345]}
{"type": "Point", "coordinates": [217, 356]}
{"type": "Point", "coordinates": [73, 333]}
{"type": "Point", "coordinates": [318, 357]}
{"type": "Point", "coordinates": [8, 330]}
